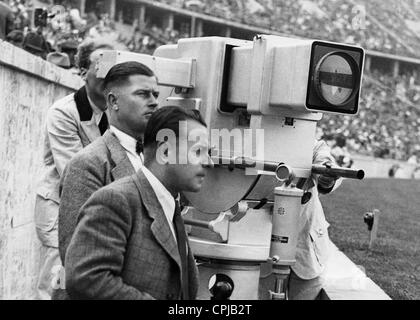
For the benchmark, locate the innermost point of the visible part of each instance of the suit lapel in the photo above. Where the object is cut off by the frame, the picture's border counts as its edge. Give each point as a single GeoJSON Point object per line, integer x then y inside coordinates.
{"type": "Point", "coordinates": [86, 114]}
{"type": "Point", "coordinates": [160, 227]}
{"type": "Point", "coordinates": [123, 166]}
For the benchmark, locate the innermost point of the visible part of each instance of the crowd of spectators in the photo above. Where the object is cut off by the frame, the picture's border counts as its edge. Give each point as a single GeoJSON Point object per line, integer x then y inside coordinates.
{"type": "Point", "coordinates": [64, 29]}
{"type": "Point", "coordinates": [388, 124]}
{"type": "Point", "coordinates": [147, 38]}
{"type": "Point", "coordinates": [374, 24]}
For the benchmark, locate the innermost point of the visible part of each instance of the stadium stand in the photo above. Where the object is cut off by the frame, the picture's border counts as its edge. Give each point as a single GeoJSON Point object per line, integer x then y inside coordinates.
{"type": "Point", "coordinates": [388, 125]}
{"type": "Point", "coordinates": [384, 27]}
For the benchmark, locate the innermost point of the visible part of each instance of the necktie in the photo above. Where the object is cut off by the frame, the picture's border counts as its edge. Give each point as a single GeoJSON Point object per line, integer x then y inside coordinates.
{"type": "Point", "coordinates": [182, 248]}
{"type": "Point", "coordinates": [139, 147]}
{"type": "Point", "coordinates": [103, 124]}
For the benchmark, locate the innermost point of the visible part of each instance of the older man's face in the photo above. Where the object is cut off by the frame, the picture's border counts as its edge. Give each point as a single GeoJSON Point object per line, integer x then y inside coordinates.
{"type": "Point", "coordinates": [95, 85]}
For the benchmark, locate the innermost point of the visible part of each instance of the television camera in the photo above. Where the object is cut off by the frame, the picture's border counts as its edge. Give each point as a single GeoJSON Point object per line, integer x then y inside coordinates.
{"type": "Point", "coordinates": [262, 100]}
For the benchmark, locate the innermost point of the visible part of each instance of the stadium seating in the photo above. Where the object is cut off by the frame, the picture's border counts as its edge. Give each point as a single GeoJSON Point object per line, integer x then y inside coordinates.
{"type": "Point", "coordinates": [388, 125]}
{"type": "Point", "coordinates": [383, 26]}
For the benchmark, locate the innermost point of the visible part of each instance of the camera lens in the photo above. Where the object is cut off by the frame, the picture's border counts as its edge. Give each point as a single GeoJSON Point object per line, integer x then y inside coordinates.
{"type": "Point", "coordinates": [335, 78]}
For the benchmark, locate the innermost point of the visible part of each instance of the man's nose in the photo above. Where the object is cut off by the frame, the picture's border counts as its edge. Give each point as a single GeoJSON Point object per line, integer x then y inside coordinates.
{"type": "Point", "coordinates": [208, 162]}
{"type": "Point", "coordinates": [153, 101]}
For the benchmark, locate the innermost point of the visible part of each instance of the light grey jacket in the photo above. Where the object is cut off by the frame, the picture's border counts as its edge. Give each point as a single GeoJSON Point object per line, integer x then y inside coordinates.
{"type": "Point", "coordinates": [69, 128]}
{"type": "Point", "coordinates": [67, 131]}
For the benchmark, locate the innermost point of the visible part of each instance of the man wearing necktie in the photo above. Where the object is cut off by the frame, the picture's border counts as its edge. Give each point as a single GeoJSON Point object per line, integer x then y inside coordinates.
{"type": "Point", "coordinates": [181, 237]}
{"type": "Point", "coordinates": [131, 90]}
{"type": "Point", "coordinates": [72, 123]}
{"type": "Point", "coordinates": [130, 242]}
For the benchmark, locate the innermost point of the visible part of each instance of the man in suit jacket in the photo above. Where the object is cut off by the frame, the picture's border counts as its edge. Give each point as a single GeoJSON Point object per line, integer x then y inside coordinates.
{"type": "Point", "coordinates": [71, 124]}
{"type": "Point", "coordinates": [132, 91]}
{"type": "Point", "coordinates": [130, 242]}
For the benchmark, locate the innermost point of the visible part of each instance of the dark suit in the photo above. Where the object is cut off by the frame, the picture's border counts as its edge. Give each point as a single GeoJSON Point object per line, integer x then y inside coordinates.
{"type": "Point", "coordinates": [99, 164]}
{"type": "Point", "coordinates": [123, 247]}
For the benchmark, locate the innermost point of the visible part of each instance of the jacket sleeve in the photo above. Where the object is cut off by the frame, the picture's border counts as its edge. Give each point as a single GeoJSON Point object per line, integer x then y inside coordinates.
{"type": "Point", "coordinates": [63, 135]}
{"type": "Point", "coordinates": [95, 256]}
{"type": "Point", "coordinates": [80, 180]}
{"type": "Point", "coordinates": [322, 154]}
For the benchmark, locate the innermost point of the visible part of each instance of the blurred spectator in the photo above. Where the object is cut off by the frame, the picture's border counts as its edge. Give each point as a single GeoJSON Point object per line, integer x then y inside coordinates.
{"type": "Point", "coordinates": [35, 43]}
{"type": "Point", "coordinates": [6, 20]}
{"type": "Point", "coordinates": [75, 19]}
{"type": "Point", "coordinates": [340, 153]}
{"type": "Point", "coordinates": [22, 11]}
{"type": "Point", "coordinates": [393, 170]}
{"type": "Point", "coordinates": [69, 47]}
{"type": "Point", "coordinates": [416, 173]}
{"type": "Point", "coordinates": [60, 59]}
{"type": "Point", "coordinates": [413, 160]}
{"type": "Point", "coordinates": [16, 38]}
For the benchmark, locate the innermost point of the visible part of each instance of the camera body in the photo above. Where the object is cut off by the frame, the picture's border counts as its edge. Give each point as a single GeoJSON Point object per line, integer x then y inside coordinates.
{"type": "Point", "coordinates": [261, 100]}
{"type": "Point", "coordinates": [269, 92]}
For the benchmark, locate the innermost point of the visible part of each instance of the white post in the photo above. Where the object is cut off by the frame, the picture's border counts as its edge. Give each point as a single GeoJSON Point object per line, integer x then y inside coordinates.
{"type": "Point", "coordinates": [374, 231]}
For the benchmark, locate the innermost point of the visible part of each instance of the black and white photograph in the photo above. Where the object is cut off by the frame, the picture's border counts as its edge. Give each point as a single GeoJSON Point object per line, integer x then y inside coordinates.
{"type": "Point", "coordinates": [228, 151]}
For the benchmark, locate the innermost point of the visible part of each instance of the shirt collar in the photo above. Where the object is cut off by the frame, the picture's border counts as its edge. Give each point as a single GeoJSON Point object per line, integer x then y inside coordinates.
{"type": "Point", "coordinates": [127, 141]}
{"type": "Point", "coordinates": [165, 198]}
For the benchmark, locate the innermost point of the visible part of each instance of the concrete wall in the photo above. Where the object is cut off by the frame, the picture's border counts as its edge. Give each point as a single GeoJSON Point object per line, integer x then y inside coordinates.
{"type": "Point", "coordinates": [28, 86]}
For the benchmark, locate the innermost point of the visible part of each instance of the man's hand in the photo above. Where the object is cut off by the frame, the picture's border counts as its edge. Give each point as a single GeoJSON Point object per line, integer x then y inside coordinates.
{"type": "Point", "coordinates": [326, 182]}
{"type": "Point", "coordinates": [289, 180]}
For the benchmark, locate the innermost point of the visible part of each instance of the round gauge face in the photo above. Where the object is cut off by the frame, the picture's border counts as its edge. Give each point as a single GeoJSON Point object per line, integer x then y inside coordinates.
{"type": "Point", "coordinates": [335, 78]}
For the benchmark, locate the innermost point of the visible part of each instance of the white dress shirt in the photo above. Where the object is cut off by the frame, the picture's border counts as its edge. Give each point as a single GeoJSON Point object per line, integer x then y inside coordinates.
{"type": "Point", "coordinates": [129, 145]}
{"type": "Point", "coordinates": [165, 198]}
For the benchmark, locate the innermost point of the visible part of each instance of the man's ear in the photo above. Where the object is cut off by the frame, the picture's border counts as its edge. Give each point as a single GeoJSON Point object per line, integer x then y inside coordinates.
{"type": "Point", "coordinates": [83, 72]}
{"type": "Point", "coordinates": [111, 100]}
{"type": "Point", "coordinates": [162, 153]}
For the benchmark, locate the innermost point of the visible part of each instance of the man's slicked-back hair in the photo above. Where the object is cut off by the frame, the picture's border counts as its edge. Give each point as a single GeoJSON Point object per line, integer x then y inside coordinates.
{"type": "Point", "coordinates": [168, 117]}
{"type": "Point", "coordinates": [86, 48]}
{"type": "Point", "coordinates": [120, 73]}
